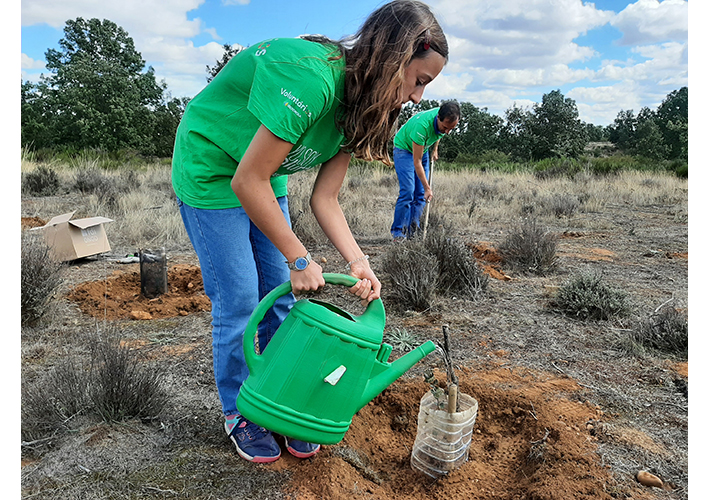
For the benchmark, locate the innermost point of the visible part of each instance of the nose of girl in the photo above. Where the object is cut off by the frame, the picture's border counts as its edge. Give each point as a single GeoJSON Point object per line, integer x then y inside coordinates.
{"type": "Point", "coordinates": [416, 96]}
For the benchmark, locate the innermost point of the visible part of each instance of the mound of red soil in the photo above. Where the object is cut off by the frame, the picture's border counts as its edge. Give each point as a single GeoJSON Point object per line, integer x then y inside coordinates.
{"type": "Point", "coordinates": [30, 222]}
{"type": "Point", "coordinates": [119, 295]}
{"type": "Point", "coordinates": [530, 441]}
{"type": "Point", "coordinates": [489, 259]}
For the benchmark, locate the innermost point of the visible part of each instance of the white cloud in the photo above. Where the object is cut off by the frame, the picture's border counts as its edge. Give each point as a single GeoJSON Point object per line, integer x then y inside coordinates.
{"type": "Point", "coordinates": [503, 52]}
{"type": "Point", "coordinates": [651, 21]}
{"type": "Point", "coordinates": [27, 62]}
{"type": "Point", "coordinates": [517, 34]}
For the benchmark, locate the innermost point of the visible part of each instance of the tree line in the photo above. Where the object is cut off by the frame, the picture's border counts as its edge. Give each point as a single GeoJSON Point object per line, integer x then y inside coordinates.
{"type": "Point", "coordinates": [99, 95]}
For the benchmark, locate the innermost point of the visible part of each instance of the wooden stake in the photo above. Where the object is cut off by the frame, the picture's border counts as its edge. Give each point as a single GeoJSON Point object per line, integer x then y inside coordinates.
{"type": "Point", "coordinates": [453, 397]}
{"type": "Point", "coordinates": [426, 216]}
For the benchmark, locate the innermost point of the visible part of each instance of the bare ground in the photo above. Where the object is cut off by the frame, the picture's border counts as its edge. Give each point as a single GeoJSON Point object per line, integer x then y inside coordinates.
{"type": "Point", "coordinates": [564, 412]}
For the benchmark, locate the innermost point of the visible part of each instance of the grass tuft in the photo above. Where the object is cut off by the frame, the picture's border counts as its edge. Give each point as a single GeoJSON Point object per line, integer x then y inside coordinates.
{"type": "Point", "coordinates": [666, 330]}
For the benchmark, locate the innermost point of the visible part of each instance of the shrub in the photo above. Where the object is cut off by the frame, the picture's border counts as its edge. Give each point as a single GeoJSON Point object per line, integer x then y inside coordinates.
{"type": "Point", "coordinates": [40, 277]}
{"type": "Point", "coordinates": [414, 272]}
{"type": "Point", "coordinates": [91, 180]}
{"type": "Point", "coordinates": [43, 181]}
{"type": "Point", "coordinates": [665, 330]}
{"type": "Point", "coordinates": [459, 273]}
{"type": "Point", "coordinates": [50, 404]}
{"type": "Point", "coordinates": [112, 385]}
{"type": "Point", "coordinates": [121, 387]}
{"type": "Point", "coordinates": [530, 248]}
{"type": "Point", "coordinates": [563, 205]}
{"type": "Point", "coordinates": [587, 296]}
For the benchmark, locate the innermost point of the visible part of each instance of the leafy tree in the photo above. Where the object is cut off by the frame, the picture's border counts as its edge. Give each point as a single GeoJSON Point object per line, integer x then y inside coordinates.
{"type": "Point", "coordinates": [97, 95]}
{"type": "Point", "coordinates": [477, 132]}
{"type": "Point", "coordinates": [33, 112]}
{"type": "Point", "coordinates": [596, 133]}
{"type": "Point", "coordinates": [229, 52]}
{"type": "Point", "coordinates": [517, 135]}
{"type": "Point", "coordinates": [167, 118]}
{"type": "Point", "coordinates": [623, 131]}
{"type": "Point", "coordinates": [556, 128]}
{"type": "Point", "coordinates": [648, 140]}
{"type": "Point", "coordinates": [672, 119]}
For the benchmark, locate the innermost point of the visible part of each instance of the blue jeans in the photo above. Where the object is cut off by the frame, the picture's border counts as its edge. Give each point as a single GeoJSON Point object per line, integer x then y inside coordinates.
{"type": "Point", "coordinates": [239, 267]}
{"type": "Point", "coordinates": [410, 203]}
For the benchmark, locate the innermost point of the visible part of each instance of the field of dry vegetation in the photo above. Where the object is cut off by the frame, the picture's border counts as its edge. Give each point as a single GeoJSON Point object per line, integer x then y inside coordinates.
{"type": "Point", "coordinates": [580, 384]}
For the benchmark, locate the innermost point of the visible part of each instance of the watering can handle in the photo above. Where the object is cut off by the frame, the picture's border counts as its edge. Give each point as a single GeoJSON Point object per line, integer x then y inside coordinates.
{"type": "Point", "coordinates": [268, 301]}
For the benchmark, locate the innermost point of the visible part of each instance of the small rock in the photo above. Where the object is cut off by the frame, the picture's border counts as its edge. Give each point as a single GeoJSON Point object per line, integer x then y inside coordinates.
{"type": "Point", "coordinates": [648, 479]}
{"type": "Point", "coordinates": [324, 260]}
{"type": "Point", "coordinates": [141, 315]}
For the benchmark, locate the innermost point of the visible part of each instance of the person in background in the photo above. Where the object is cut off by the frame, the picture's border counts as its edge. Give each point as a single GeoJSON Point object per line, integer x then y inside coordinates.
{"type": "Point", "coordinates": [411, 162]}
{"type": "Point", "coordinates": [276, 108]}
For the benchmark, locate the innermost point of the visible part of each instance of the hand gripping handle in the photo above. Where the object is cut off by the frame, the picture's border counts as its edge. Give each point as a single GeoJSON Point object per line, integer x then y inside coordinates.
{"type": "Point", "coordinates": [267, 303]}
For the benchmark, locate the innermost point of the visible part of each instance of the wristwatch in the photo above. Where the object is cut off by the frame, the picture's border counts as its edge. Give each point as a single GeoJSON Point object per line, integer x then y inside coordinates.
{"type": "Point", "coordinates": [301, 263]}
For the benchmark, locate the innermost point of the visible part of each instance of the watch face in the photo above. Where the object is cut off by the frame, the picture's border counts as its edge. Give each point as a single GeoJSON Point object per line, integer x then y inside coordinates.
{"type": "Point", "coordinates": [301, 263]}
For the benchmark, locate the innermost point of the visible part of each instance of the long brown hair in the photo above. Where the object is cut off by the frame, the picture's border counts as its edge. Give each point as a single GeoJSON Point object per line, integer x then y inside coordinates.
{"type": "Point", "coordinates": [375, 60]}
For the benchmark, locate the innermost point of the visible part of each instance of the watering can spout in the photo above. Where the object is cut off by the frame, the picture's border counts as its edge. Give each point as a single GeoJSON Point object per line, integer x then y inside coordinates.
{"type": "Point", "coordinates": [391, 372]}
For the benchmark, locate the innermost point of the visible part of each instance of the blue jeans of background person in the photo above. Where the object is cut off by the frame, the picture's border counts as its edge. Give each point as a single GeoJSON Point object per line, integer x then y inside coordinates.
{"type": "Point", "coordinates": [239, 267]}
{"type": "Point", "coordinates": [410, 203]}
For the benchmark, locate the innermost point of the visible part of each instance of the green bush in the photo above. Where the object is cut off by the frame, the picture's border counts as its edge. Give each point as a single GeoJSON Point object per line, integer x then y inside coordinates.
{"type": "Point", "coordinates": [610, 165]}
{"type": "Point", "coordinates": [40, 277]}
{"type": "Point", "coordinates": [550, 168]}
{"type": "Point", "coordinates": [587, 296]}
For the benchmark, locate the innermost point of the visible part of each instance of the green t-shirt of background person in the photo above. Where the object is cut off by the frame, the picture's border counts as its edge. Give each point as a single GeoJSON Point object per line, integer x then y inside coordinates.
{"type": "Point", "coordinates": [287, 84]}
{"type": "Point", "coordinates": [418, 129]}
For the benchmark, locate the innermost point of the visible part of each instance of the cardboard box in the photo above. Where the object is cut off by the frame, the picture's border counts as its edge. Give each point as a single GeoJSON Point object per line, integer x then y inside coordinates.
{"type": "Point", "coordinates": [72, 239]}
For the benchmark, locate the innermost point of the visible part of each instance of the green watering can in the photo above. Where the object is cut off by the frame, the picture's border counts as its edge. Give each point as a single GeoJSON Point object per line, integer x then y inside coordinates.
{"type": "Point", "coordinates": [320, 368]}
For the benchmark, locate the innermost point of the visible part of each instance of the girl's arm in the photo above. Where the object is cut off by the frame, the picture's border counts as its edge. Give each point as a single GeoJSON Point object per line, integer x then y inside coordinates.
{"type": "Point", "coordinates": [325, 206]}
{"type": "Point", "coordinates": [251, 183]}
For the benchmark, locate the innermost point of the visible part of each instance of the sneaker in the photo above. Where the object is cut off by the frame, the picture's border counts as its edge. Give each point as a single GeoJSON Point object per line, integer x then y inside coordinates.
{"type": "Point", "coordinates": [253, 442]}
{"type": "Point", "coordinates": [301, 449]}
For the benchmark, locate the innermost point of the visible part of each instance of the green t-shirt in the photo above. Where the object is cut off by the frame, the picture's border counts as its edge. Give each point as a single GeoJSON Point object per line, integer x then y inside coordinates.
{"type": "Point", "coordinates": [287, 84]}
{"type": "Point", "coordinates": [418, 129]}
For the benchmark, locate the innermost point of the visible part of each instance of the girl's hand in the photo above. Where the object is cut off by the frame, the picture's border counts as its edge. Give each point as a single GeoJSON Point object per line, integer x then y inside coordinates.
{"type": "Point", "coordinates": [309, 280]}
{"type": "Point", "coordinates": [368, 288]}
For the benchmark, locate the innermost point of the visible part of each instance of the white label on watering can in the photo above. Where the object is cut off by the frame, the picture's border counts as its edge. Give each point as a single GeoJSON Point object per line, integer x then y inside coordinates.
{"type": "Point", "coordinates": [334, 377]}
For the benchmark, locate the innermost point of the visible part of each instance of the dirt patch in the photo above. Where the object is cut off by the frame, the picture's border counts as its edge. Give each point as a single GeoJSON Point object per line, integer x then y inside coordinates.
{"type": "Point", "coordinates": [530, 441]}
{"type": "Point", "coordinates": [118, 296]}
{"type": "Point", "coordinates": [489, 259]}
{"type": "Point", "coordinates": [30, 222]}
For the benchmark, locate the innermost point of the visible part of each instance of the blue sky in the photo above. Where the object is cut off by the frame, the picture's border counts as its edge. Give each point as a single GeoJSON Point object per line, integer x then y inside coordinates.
{"type": "Point", "coordinates": [608, 55]}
